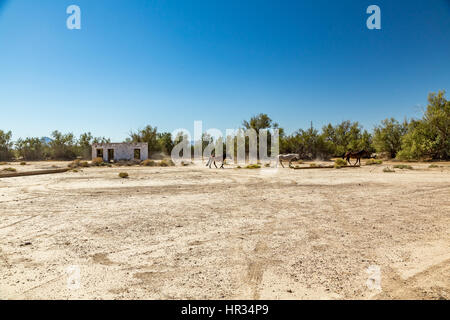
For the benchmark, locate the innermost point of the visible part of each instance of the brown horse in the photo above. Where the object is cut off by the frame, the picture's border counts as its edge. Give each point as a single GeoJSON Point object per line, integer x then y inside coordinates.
{"type": "Point", "coordinates": [356, 155]}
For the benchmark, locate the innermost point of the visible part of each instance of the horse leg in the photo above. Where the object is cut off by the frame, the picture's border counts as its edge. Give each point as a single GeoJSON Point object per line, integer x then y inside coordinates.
{"type": "Point", "coordinates": [221, 167]}
{"type": "Point", "coordinates": [281, 162]}
{"type": "Point", "coordinates": [215, 164]}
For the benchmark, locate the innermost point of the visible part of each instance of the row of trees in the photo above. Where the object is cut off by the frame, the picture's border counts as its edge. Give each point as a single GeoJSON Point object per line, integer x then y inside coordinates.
{"type": "Point", "coordinates": [425, 138]}
{"type": "Point", "coordinates": [59, 147]}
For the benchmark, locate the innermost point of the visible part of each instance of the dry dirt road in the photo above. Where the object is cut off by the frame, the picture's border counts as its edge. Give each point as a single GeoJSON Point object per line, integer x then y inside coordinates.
{"type": "Point", "coordinates": [194, 233]}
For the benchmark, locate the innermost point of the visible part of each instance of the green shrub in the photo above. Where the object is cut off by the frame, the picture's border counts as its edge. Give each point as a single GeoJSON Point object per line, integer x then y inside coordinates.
{"type": "Point", "coordinates": [340, 163]}
{"type": "Point", "coordinates": [313, 165]}
{"type": "Point", "coordinates": [371, 162]}
{"type": "Point", "coordinates": [387, 169]}
{"type": "Point", "coordinates": [403, 166]}
{"type": "Point", "coordinates": [23, 163]}
{"type": "Point", "coordinates": [267, 165]}
{"type": "Point", "coordinates": [10, 169]}
{"type": "Point", "coordinates": [238, 167]}
{"type": "Point", "coordinates": [123, 175]}
{"type": "Point", "coordinates": [253, 166]}
{"type": "Point", "coordinates": [433, 166]}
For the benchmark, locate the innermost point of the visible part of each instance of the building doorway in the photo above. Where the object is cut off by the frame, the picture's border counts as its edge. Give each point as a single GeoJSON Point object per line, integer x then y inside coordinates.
{"type": "Point", "coordinates": [110, 155]}
{"type": "Point", "coordinates": [137, 154]}
{"type": "Point", "coordinates": [100, 153]}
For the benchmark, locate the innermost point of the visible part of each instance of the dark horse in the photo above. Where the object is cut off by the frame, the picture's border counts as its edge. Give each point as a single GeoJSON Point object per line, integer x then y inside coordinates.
{"type": "Point", "coordinates": [356, 155]}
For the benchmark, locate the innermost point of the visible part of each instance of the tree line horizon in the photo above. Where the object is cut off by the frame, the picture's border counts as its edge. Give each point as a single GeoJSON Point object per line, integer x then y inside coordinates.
{"type": "Point", "coordinates": [427, 138]}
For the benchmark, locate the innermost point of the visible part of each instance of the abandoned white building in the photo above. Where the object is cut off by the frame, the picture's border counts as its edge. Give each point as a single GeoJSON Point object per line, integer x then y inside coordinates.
{"type": "Point", "coordinates": [120, 151]}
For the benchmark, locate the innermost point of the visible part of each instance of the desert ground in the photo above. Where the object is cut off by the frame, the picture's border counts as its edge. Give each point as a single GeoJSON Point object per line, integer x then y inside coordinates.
{"type": "Point", "coordinates": [197, 233]}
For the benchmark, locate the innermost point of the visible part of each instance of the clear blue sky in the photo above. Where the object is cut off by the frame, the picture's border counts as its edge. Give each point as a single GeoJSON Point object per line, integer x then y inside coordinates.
{"type": "Point", "coordinates": [168, 63]}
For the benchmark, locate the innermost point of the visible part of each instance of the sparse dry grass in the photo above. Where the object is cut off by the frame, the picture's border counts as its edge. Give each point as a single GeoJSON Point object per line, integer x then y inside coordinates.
{"type": "Point", "coordinates": [403, 166]}
{"type": "Point", "coordinates": [372, 162]}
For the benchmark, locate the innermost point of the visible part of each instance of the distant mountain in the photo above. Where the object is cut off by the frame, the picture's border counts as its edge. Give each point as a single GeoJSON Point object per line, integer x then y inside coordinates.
{"type": "Point", "coordinates": [46, 140]}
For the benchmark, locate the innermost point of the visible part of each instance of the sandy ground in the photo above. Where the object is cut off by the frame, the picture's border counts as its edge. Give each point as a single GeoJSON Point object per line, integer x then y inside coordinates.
{"type": "Point", "coordinates": [194, 233]}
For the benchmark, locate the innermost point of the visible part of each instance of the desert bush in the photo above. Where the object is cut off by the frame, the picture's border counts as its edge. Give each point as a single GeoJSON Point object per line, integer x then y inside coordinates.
{"type": "Point", "coordinates": [78, 163]}
{"type": "Point", "coordinates": [74, 164]}
{"type": "Point", "coordinates": [238, 167]}
{"type": "Point", "coordinates": [253, 166]}
{"type": "Point", "coordinates": [23, 163]}
{"type": "Point", "coordinates": [371, 162]}
{"type": "Point", "coordinates": [10, 169]}
{"type": "Point", "coordinates": [3, 163]}
{"type": "Point", "coordinates": [340, 162]}
{"type": "Point", "coordinates": [123, 175]}
{"type": "Point", "coordinates": [431, 166]}
{"type": "Point", "coordinates": [403, 166]}
{"type": "Point", "coordinates": [313, 164]}
{"type": "Point", "coordinates": [267, 165]}
{"type": "Point", "coordinates": [387, 169]}
{"type": "Point", "coordinates": [97, 162]}
{"type": "Point", "coordinates": [127, 163]}
{"type": "Point", "coordinates": [166, 163]}
{"type": "Point", "coordinates": [148, 163]}
{"type": "Point", "coordinates": [84, 164]}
